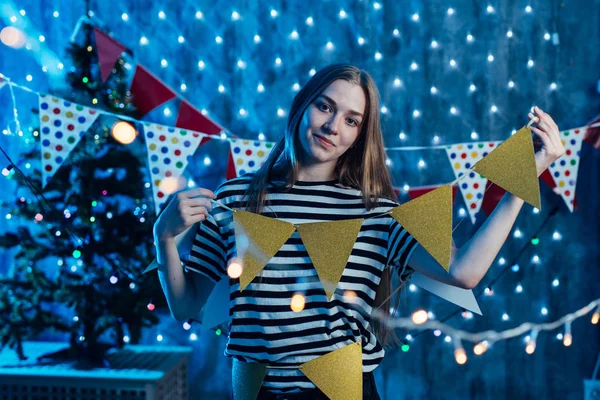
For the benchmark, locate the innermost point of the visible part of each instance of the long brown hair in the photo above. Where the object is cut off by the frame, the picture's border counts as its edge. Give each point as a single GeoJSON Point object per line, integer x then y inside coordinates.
{"type": "Point", "coordinates": [362, 166]}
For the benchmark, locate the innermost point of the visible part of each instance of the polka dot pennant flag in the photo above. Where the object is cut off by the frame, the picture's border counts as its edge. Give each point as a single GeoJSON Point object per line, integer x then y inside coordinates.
{"type": "Point", "coordinates": [462, 157]}
{"type": "Point", "coordinates": [564, 170]}
{"type": "Point", "coordinates": [62, 124]}
{"type": "Point", "coordinates": [169, 150]}
{"type": "Point", "coordinates": [249, 155]}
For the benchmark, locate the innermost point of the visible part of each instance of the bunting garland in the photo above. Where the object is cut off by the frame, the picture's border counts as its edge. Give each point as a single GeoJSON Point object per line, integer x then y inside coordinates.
{"type": "Point", "coordinates": [169, 150]}
{"type": "Point", "coordinates": [109, 51]}
{"type": "Point", "coordinates": [62, 124]}
{"type": "Point", "coordinates": [148, 91]}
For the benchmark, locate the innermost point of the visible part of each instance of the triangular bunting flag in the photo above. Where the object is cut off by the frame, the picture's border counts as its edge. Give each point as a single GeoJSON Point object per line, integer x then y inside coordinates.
{"type": "Point", "coordinates": [257, 239]}
{"type": "Point", "coordinates": [247, 379]}
{"type": "Point", "coordinates": [189, 117]}
{"type": "Point", "coordinates": [148, 91]}
{"type": "Point", "coordinates": [168, 152]}
{"type": "Point", "coordinates": [592, 135]}
{"type": "Point", "coordinates": [461, 297]}
{"type": "Point", "coordinates": [565, 169]}
{"type": "Point", "coordinates": [462, 157]}
{"type": "Point", "coordinates": [109, 51]}
{"type": "Point", "coordinates": [319, 238]}
{"type": "Point", "coordinates": [216, 310]}
{"type": "Point", "coordinates": [512, 167]}
{"type": "Point", "coordinates": [2, 82]}
{"type": "Point", "coordinates": [62, 124]}
{"type": "Point", "coordinates": [429, 219]}
{"type": "Point", "coordinates": [337, 374]}
{"type": "Point", "coordinates": [419, 191]}
{"type": "Point", "coordinates": [248, 155]}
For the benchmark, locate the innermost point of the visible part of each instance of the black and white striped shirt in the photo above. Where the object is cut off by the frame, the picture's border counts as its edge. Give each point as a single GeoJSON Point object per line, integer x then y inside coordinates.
{"type": "Point", "coordinates": [263, 326]}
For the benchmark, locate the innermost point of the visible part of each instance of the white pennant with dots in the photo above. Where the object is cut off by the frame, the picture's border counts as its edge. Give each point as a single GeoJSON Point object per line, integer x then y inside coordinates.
{"type": "Point", "coordinates": [462, 157]}
{"type": "Point", "coordinates": [62, 124]}
{"type": "Point", "coordinates": [169, 151]}
{"type": "Point", "coordinates": [249, 155]}
{"type": "Point", "coordinates": [564, 170]}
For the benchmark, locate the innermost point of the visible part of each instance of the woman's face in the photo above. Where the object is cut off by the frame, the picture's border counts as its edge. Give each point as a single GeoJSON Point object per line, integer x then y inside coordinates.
{"type": "Point", "coordinates": [331, 124]}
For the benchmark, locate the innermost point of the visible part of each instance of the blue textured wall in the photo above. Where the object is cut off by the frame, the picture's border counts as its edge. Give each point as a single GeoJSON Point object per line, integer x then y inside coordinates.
{"type": "Point", "coordinates": [428, 370]}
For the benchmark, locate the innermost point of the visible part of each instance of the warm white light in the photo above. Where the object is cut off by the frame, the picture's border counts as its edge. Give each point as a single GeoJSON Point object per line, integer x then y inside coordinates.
{"type": "Point", "coordinates": [235, 16]}
{"type": "Point", "coordinates": [490, 58]}
{"type": "Point", "coordinates": [414, 66]}
{"type": "Point", "coordinates": [201, 64]}
{"type": "Point", "coordinates": [378, 56]}
{"type": "Point", "coordinates": [415, 17]}
{"type": "Point", "coordinates": [260, 88]}
{"type": "Point", "coordinates": [274, 13]}
{"type": "Point", "coordinates": [123, 132]}
{"type": "Point", "coordinates": [528, 9]}
{"type": "Point", "coordinates": [124, 17]}
{"type": "Point", "coordinates": [509, 33]}
{"type": "Point", "coordinates": [451, 11]}
{"type": "Point", "coordinates": [535, 259]}
{"type": "Point", "coordinates": [29, 78]}
{"type": "Point", "coordinates": [298, 302]}
{"type": "Point", "coordinates": [416, 114]}
{"type": "Point", "coordinates": [296, 87]}
{"type": "Point", "coordinates": [167, 112]}
{"type": "Point", "coordinates": [474, 135]}
{"type": "Point", "coordinates": [433, 90]}
{"type": "Point", "coordinates": [556, 235]}
{"type": "Point", "coordinates": [472, 88]}
{"type": "Point", "coordinates": [280, 112]}
{"type": "Point", "coordinates": [261, 136]}
{"type": "Point", "coordinates": [436, 139]}
{"type": "Point", "coordinates": [312, 71]}
{"type": "Point", "coordinates": [493, 108]}
{"type": "Point", "coordinates": [329, 46]}
{"type": "Point", "coordinates": [243, 112]}
{"type": "Point", "coordinates": [481, 348]}
{"type": "Point", "coordinates": [530, 63]}
{"type": "Point", "coordinates": [490, 9]}
{"type": "Point", "coordinates": [278, 61]}
{"type": "Point", "coordinates": [12, 37]}
{"type": "Point", "coordinates": [218, 39]}
{"type": "Point", "coordinates": [256, 39]}
{"type": "Point", "coordinates": [199, 15]}
{"type": "Point", "coordinates": [183, 87]}
{"type": "Point", "coordinates": [397, 82]}
{"type": "Point", "coordinates": [546, 36]}
{"type": "Point", "coordinates": [181, 39]}
{"type": "Point", "coordinates": [402, 135]}
{"type": "Point", "coordinates": [396, 32]}
{"type": "Point", "coordinates": [453, 63]}
{"type": "Point", "coordinates": [517, 233]}
{"type": "Point", "coordinates": [553, 86]}
{"type": "Point", "coordinates": [555, 282]}
{"type": "Point", "coordinates": [294, 35]}
{"type": "Point", "coordinates": [544, 311]}
{"type": "Point", "coordinates": [453, 110]}
{"type": "Point", "coordinates": [421, 164]}
{"type": "Point", "coordinates": [361, 40]}
{"type": "Point", "coordinates": [511, 84]}
{"type": "Point", "coordinates": [221, 89]}
{"type": "Point", "coordinates": [384, 110]}
{"type": "Point", "coordinates": [161, 15]}
{"type": "Point", "coordinates": [164, 63]}
{"type": "Point", "coordinates": [420, 317]}
{"type": "Point", "coordinates": [434, 44]}
{"type": "Point", "coordinates": [234, 269]}
{"type": "Point", "coordinates": [241, 64]}
{"type": "Point", "coordinates": [505, 317]}
{"type": "Point", "coordinates": [469, 38]}
{"type": "Point", "coordinates": [309, 21]}
{"type": "Point", "coordinates": [376, 6]}
{"type": "Point", "coordinates": [143, 40]}
{"type": "Point", "coordinates": [343, 14]}
{"type": "Point", "coordinates": [55, 14]}
{"type": "Point", "coordinates": [159, 338]}
{"type": "Point", "coordinates": [42, 39]}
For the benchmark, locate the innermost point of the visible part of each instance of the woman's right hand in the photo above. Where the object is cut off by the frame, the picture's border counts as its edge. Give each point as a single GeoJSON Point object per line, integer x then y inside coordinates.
{"type": "Point", "coordinates": [184, 210]}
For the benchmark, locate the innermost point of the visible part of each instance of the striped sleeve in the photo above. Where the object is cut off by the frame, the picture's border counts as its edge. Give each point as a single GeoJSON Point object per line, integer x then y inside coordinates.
{"type": "Point", "coordinates": [401, 245]}
{"type": "Point", "coordinates": [209, 253]}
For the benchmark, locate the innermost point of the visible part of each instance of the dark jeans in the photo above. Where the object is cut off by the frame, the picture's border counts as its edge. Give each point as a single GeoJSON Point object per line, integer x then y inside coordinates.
{"type": "Point", "coordinates": [369, 392]}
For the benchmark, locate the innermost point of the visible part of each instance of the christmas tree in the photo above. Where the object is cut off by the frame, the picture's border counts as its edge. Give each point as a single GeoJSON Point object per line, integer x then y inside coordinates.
{"type": "Point", "coordinates": [93, 219]}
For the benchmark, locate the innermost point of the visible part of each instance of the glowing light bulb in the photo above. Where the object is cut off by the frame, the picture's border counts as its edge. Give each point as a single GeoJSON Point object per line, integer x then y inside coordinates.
{"type": "Point", "coordinates": [509, 33]}
{"type": "Point", "coordinates": [472, 88]}
{"type": "Point", "coordinates": [419, 317]}
{"type": "Point", "coordinates": [415, 17]}
{"type": "Point", "coordinates": [459, 353]}
{"type": "Point", "coordinates": [123, 132]}
{"type": "Point", "coordinates": [234, 270]}
{"type": "Point", "coordinates": [481, 347]}
{"type": "Point", "coordinates": [256, 39]}
{"type": "Point", "coordinates": [298, 302]}
{"type": "Point", "coordinates": [309, 21]}
{"type": "Point", "coordinates": [162, 15]}
{"type": "Point", "coordinates": [568, 338]}
{"type": "Point", "coordinates": [470, 38]}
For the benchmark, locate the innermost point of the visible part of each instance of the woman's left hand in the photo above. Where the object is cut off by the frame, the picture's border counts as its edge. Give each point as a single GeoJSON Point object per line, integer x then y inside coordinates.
{"type": "Point", "coordinates": [552, 147]}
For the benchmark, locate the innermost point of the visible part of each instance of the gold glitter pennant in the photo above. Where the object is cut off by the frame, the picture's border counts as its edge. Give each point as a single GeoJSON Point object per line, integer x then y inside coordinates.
{"type": "Point", "coordinates": [257, 240]}
{"type": "Point", "coordinates": [337, 374]}
{"type": "Point", "coordinates": [329, 245]}
{"type": "Point", "coordinates": [429, 219]}
{"type": "Point", "coordinates": [512, 167]}
{"type": "Point", "coordinates": [247, 378]}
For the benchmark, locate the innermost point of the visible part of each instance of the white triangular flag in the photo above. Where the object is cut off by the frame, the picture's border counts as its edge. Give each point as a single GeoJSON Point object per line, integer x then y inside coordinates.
{"type": "Point", "coordinates": [462, 157]}
{"type": "Point", "coordinates": [62, 124]}
{"type": "Point", "coordinates": [168, 152]}
{"type": "Point", "coordinates": [249, 155]}
{"type": "Point", "coordinates": [564, 170]}
{"type": "Point", "coordinates": [461, 297]}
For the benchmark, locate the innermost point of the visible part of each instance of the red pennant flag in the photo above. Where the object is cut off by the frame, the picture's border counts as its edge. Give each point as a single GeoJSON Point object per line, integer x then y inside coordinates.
{"type": "Point", "coordinates": [190, 118]}
{"type": "Point", "coordinates": [230, 167]}
{"type": "Point", "coordinates": [109, 51]}
{"type": "Point", "coordinates": [148, 91]}
{"type": "Point", "coordinates": [592, 136]}
{"type": "Point", "coordinates": [415, 192]}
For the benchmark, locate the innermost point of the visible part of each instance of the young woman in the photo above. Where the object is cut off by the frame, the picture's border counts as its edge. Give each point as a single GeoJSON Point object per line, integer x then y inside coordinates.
{"type": "Point", "coordinates": [328, 166]}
